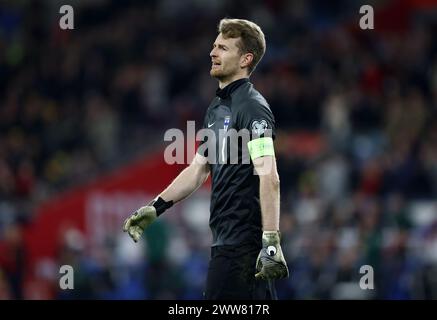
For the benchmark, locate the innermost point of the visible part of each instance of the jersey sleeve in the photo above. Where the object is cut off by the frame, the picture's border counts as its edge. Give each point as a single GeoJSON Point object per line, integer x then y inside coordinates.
{"type": "Point", "coordinates": [258, 119]}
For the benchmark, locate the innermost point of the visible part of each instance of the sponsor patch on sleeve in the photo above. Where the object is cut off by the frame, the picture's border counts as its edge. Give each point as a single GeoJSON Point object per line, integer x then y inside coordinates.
{"type": "Point", "coordinates": [259, 127]}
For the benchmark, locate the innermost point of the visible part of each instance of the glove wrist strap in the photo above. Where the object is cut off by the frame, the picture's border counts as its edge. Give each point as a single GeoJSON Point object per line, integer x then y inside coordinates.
{"type": "Point", "coordinates": [271, 238]}
{"type": "Point", "coordinates": [161, 205]}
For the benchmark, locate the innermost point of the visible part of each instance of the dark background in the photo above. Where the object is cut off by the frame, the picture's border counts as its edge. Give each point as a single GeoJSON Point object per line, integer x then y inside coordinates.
{"type": "Point", "coordinates": [356, 143]}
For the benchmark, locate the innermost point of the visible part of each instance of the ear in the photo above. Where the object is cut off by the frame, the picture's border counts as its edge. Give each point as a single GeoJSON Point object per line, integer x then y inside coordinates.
{"type": "Point", "coordinates": [246, 60]}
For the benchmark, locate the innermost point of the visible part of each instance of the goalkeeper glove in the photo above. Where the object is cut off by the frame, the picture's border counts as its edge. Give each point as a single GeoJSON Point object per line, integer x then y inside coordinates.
{"type": "Point", "coordinates": [270, 263]}
{"type": "Point", "coordinates": [144, 216]}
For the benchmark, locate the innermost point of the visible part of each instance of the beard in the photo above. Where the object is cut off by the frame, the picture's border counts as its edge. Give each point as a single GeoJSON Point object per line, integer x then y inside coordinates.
{"type": "Point", "coordinates": [217, 73]}
{"type": "Point", "coordinates": [221, 74]}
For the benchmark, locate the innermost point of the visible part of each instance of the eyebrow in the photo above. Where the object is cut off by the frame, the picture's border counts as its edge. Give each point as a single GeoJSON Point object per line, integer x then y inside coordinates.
{"type": "Point", "coordinates": [220, 46]}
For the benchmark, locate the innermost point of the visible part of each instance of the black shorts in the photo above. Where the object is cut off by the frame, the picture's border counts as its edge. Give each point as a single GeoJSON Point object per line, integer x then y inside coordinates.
{"type": "Point", "coordinates": [231, 274]}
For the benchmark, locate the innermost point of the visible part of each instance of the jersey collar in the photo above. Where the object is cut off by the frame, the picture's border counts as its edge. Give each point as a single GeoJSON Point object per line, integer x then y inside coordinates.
{"type": "Point", "coordinates": [226, 91]}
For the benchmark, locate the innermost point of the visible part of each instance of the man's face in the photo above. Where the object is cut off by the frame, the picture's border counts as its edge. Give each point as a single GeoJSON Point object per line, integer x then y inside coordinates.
{"type": "Point", "coordinates": [225, 58]}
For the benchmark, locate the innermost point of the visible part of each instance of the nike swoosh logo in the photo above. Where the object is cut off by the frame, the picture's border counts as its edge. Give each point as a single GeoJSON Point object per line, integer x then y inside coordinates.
{"type": "Point", "coordinates": [210, 125]}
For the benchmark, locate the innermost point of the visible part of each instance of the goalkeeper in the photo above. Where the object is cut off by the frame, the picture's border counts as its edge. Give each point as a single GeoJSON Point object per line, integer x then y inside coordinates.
{"type": "Point", "coordinates": [244, 211]}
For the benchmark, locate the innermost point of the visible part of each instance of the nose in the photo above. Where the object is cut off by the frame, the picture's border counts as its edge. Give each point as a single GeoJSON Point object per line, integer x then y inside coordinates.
{"type": "Point", "coordinates": [213, 53]}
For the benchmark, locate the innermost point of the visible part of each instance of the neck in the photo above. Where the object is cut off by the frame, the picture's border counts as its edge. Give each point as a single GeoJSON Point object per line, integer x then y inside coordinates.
{"type": "Point", "coordinates": [224, 82]}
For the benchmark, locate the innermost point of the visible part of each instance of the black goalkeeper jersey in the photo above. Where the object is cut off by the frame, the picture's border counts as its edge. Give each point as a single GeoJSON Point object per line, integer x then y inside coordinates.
{"type": "Point", "coordinates": [235, 207]}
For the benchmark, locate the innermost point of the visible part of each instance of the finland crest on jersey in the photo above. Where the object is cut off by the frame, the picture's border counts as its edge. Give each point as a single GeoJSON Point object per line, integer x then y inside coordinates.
{"type": "Point", "coordinates": [226, 123]}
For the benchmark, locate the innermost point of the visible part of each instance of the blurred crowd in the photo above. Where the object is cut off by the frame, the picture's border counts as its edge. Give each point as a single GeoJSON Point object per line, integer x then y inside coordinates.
{"type": "Point", "coordinates": [356, 144]}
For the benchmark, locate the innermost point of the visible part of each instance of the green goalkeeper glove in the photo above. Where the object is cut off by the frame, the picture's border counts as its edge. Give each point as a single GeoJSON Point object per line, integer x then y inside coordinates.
{"type": "Point", "coordinates": [144, 216]}
{"type": "Point", "coordinates": [270, 263]}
